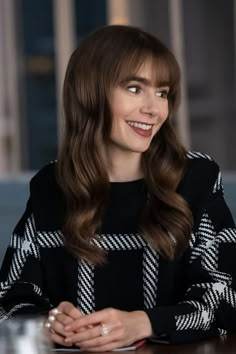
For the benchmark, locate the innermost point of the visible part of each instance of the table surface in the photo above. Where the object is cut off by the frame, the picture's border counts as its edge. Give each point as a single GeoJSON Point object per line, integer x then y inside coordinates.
{"type": "Point", "coordinates": [210, 346]}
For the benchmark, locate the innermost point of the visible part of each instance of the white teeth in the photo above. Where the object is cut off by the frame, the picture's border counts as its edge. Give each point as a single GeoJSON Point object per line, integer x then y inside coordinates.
{"type": "Point", "coordinates": [140, 125]}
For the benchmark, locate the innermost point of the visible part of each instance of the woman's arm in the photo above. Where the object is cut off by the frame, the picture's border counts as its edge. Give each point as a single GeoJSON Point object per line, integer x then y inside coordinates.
{"type": "Point", "coordinates": [209, 305]}
{"type": "Point", "coordinates": [21, 285]}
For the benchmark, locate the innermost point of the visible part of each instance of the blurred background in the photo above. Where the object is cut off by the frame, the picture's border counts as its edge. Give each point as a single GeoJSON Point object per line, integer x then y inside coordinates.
{"type": "Point", "coordinates": [36, 40]}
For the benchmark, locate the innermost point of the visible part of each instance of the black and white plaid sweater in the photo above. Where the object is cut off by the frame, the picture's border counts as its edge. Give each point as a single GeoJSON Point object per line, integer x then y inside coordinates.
{"type": "Point", "coordinates": [190, 298]}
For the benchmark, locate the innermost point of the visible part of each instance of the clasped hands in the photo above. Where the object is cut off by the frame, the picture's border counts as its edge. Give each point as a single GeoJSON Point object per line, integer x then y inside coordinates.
{"type": "Point", "coordinates": [103, 330]}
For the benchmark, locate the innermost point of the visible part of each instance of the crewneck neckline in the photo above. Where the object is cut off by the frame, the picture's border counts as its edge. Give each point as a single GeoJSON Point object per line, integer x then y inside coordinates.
{"type": "Point", "coordinates": [127, 188]}
{"type": "Point", "coordinates": [132, 182]}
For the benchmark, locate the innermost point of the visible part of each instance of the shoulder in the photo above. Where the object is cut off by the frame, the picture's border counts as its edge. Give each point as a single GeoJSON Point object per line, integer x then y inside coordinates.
{"type": "Point", "coordinates": [201, 161]}
{"type": "Point", "coordinates": [46, 198]}
{"type": "Point", "coordinates": [201, 178]}
{"type": "Point", "coordinates": [46, 174]}
{"type": "Point", "coordinates": [201, 168]}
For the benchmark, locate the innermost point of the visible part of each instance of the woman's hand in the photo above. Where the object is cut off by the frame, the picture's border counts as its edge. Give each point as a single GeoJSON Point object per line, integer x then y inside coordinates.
{"type": "Point", "coordinates": [58, 318]}
{"type": "Point", "coordinates": [89, 332]}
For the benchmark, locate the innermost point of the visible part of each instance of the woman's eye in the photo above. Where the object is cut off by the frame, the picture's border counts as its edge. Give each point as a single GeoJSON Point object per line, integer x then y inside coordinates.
{"type": "Point", "coordinates": [162, 94]}
{"type": "Point", "coordinates": [134, 89]}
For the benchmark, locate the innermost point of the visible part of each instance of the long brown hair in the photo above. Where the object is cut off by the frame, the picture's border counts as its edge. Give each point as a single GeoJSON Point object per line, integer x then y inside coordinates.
{"type": "Point", "coordinates": [103, 60]}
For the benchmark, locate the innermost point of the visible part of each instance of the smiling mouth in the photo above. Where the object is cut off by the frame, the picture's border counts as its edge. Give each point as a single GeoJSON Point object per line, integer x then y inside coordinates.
{"type": "Point", "coordinates": [142, 126]}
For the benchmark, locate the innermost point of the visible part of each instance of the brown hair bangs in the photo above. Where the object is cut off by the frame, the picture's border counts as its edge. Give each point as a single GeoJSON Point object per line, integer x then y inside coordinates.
{"type": "Point", "coordinates": [165, 71]}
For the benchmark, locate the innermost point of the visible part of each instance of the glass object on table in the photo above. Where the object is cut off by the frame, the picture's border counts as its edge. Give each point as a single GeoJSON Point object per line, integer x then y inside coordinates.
{"type": "Point", "coordinates": [24, 335]}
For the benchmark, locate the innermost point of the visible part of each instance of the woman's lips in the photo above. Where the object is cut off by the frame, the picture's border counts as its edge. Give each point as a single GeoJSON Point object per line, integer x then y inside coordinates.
{"type": "Point", "coordinates": [145, 133]}
{"type": "Point", "coordinates": [142, 129]}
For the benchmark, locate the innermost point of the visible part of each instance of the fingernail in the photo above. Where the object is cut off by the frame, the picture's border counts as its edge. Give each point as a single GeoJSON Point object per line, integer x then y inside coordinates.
{"type": "Point", "coordinates": [55, 311]}
{"type": "Point", "coordinates": [51, 318]}
{"type": "Point", "coordinates": [67, 340]}
{"type": "Point", "coordinates": [67, 328]}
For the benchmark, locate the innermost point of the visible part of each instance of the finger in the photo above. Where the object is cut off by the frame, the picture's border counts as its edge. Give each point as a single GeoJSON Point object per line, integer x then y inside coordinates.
{"type": "Point", "coordinates": [61, 317]}
{"type": "Point", "coordinates": [56, 338]}
{"type": "Point", "coordinates": [94, 337]}
{"type": "Point", "coordinates": [69, 309]}
{"type": "Point", "coordinates": [55, 325]}
{"type": "Point", "coordinates": [59, 328]}
{"type": "Point", "coordinates": [88, 320]}
{"type": "Point", "coordinates": [55, 311]}
{"type": "Point", "coordinates": [87, 335]}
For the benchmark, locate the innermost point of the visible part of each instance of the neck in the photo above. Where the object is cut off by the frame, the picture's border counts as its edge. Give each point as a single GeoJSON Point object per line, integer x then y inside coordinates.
{"type": "Point", "coordinates": [124, 168]}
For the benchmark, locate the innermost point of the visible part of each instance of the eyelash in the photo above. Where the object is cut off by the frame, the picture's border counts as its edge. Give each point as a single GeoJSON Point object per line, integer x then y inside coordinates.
{"type": "Point", "coordinates": [138, 88]}
{"type": "Point", "coordinates": [162, 93]}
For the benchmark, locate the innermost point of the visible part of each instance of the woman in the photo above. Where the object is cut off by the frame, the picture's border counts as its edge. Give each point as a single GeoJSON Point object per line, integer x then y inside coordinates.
{"type": "Point", "coordinates": [127, 236]}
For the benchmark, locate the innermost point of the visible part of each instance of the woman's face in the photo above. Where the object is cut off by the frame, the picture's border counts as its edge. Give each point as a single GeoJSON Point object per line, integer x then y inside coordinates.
{"type": "Point", "coordinates": [138, 111]}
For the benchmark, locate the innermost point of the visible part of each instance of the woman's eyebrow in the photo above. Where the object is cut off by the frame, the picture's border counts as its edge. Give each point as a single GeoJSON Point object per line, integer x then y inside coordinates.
{"type": "Point", "coordinates": [141, 79]}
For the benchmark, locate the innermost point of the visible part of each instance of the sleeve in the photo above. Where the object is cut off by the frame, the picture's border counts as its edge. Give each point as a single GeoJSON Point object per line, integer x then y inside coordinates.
{"type": "Point", "coordinates": [209, 305]}
{"type": "Point", "coordinates": [21, 281]}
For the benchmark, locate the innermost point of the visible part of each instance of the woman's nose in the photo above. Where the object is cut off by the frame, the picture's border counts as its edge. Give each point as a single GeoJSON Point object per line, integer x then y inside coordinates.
{"type": "Point", "coordinates": [150, 105]}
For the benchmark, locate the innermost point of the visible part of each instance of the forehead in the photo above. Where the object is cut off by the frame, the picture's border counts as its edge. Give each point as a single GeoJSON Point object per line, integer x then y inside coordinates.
{"type": "Point", "coordinates": [154, 71]}
{"type": "Point", "coordinates": [146, 71]}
